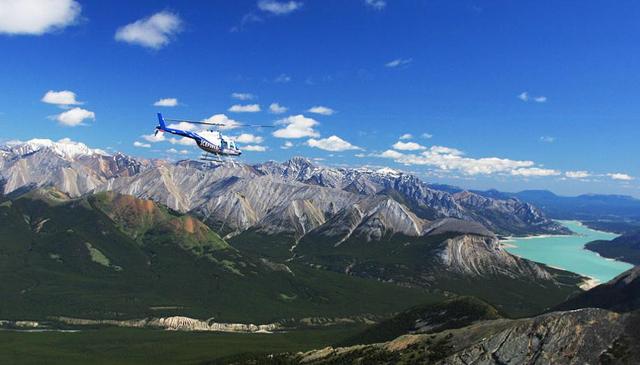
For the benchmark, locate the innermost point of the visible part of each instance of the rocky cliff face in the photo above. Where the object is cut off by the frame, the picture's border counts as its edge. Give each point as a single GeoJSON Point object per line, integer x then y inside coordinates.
{"type": "Point", "coordinates": [479, 256]}
{"type": "Point", "coordinates": [295, 197]}
{"type": "Point", "coordinates": [587, 336]}
{"type": "Point", "coordinates": [175, 323]}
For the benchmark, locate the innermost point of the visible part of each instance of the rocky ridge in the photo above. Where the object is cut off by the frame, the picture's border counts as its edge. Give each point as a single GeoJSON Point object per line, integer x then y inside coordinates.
{"type": "Point", "coordinates": [294, 197]}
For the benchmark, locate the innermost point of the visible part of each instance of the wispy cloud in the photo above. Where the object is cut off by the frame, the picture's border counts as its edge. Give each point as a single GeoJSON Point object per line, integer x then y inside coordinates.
{"type": "Point", "coordinates": [154, 32]}
{"type": "Point", "coordinates": [376, 4]}
{"type": "Point", "coordinates": [279, 7]}
{"type": "Point", "coordinates": [177, 152]}
{"type": "Point", "coordinates": [282, 79]}
{"type": "Point", "coordinates": [141, 145]}
{"type": "Point", "coordinates": [399, 62]}
{"type": "Point", "coordinates": [534, 171]}
{"type": "Point", "coordinates": [254, 148]}
{"type": "Point", "coordinates": [547, 139]}
{"type": "Point", "coordinates": [37, 17]}
{"type": "Point", "coordinates": [242, 96]}
{"type": "Point", "coordinates": [580, 174]}
{"type": "Point", "coordinates": [322, 110]}
{"type": "Point", "coordinates": [249, 108]}
{"type": "Point", "coordinates": [406, 136]}
{"type": "Point", "coordinates": [524, 96]}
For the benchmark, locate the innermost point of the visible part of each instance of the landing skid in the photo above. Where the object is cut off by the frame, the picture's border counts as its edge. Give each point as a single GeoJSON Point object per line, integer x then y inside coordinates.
{"type": "Point", "coordinates": [211, 158]}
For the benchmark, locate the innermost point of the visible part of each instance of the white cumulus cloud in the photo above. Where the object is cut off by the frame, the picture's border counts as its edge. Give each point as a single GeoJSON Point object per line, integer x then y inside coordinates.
{"type": "Point", "coordinates": [74, 117]}
{"type": "Point", "coordinates": [406, 136]}
{"type": "Point", "coordinates": [60, 98]}
{"type": "Point", "coordinates": [254, 148]}
{"type": "Point", "coordinates": [249, 138]}
{"type": "Point", "coordinates": [408, 146]}
{"type": "Point", "coordinates": [296, 126]}
{"type": "Point", "coordinates": [154, 138]}
{"type": "Point", "coordinates": [249, 108]}
{"type": "Point", "coordinates": [223, 121]}
{"type": "Point", "coordinates": [322, 110]}
{"type": "Point", "coordinates": [279, 7]}
{"type": "Point", "coordinates": [287, 145]}
{"type": "Point", "coordinates": [333, 143]}
{"type": "Point", "coordinates": [620, 176]}
{"type": "Point", "coordinates": [168, 102]}
{"type": "Point", "coordinates": [36, 17]}
{"type": "Point", "coordinates": [451, 159]}
{"type": "Point", "coordinates": [276, 108]}
{"type": "Point", "coordinates": [153, 32]}
{"type": "Point", "coordinates": [141, 145]}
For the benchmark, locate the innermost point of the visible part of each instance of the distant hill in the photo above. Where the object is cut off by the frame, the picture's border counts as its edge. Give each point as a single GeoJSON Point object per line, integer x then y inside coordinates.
{"type": "Point", "coordinates": [617, 213]}
{"type": "Point", "coordinates": [582, 207]}
{"type": "Point", "coordinates": [621, 294]}
{"type": "Point", "coordinates": [624, 248]}
{"type": "Point", "coordinates": [428, 318]}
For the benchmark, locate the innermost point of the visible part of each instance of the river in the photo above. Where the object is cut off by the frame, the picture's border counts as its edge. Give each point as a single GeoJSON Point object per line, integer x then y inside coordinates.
{"type": "Point", "coordinates": [568, 252]}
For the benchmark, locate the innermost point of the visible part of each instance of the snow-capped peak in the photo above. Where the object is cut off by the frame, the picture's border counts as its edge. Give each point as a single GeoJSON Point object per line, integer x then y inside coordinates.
{"type": "Point", "coordinates": [65, 147]}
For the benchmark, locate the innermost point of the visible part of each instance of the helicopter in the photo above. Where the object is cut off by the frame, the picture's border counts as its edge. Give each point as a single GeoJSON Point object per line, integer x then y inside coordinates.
{"type": "Point", "coordinates": [217, 146]}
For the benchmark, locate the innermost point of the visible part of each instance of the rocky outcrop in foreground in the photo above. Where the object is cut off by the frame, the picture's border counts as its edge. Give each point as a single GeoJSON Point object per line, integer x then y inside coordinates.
{"type": "Point", "coordinates": [586, 336]}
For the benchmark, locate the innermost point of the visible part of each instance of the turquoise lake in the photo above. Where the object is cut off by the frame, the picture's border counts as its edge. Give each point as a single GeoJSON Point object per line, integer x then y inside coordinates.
{"type": "Point", "coordinates": [568, 252]}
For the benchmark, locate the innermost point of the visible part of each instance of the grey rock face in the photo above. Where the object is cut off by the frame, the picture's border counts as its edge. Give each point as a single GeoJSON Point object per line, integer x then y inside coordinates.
{"type": "Point", "coordinates": [586, 336]}
{"type": "Point", "coordinates": [481, 256]}
{"type": "Point", "coordinates": [577, 337]}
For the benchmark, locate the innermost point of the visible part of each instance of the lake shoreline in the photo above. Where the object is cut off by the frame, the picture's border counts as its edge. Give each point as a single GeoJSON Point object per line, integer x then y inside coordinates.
{"type": "Point", "coordinates": [569, 252]}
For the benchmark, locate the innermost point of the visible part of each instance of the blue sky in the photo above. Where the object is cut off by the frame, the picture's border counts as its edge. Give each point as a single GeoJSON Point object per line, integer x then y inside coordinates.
{"type": "Point", "coordinates": [495, 94]}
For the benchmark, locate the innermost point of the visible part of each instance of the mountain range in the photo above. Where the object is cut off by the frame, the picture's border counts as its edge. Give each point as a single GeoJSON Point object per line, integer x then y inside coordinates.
{"type": "Point", "coordinates": [296, 196]}
{"type": "Point", "coordinates": [89, 238]}
{"type": "Point", "coordinates": [378, 225]}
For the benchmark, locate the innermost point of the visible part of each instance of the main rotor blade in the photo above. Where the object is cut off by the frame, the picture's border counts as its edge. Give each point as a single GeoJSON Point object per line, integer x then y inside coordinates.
{"type": "Point", "coordinates": [220, 124]}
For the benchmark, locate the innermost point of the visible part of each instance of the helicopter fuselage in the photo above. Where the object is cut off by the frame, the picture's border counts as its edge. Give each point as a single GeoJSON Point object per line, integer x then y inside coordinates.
{"type": "Point", "coordinates": [220, 147]}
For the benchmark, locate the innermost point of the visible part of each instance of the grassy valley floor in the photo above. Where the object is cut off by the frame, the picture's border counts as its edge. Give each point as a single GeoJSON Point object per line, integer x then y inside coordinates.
{"type": "Point", "coordinates": [143, 346]}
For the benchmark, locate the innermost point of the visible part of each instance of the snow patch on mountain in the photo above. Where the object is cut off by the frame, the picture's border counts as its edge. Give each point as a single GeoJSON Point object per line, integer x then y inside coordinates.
{"type": "Point", "coordinates": [65, 147]}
